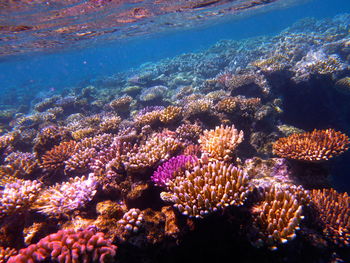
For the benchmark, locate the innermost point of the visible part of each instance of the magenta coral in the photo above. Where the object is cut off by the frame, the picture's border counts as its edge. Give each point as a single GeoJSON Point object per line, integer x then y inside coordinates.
{"type": "Point", "coordinates": [171, 168]}
{"type": "Point", "coordinates": [68, 246]}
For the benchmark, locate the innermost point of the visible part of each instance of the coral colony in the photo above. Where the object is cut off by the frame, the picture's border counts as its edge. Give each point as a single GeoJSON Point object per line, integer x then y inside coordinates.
{"type": "Point", "coordinates": [154, 159]}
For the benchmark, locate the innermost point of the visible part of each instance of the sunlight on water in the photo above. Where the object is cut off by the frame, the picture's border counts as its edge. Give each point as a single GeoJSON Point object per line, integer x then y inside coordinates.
{"type": "Point", "coordinates": [28, 26]}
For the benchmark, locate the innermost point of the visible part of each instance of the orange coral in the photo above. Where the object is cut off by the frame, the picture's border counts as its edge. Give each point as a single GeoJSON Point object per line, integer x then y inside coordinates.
{"type": "Point", "coordinates": [55, 158]}
{"type": "Point", "coordinates": [208, 188]}
{"type": "Point", "coordinates": [277, 217]}
{"type": "Point", "coordinates": [220, 143]}
{"type": "Point", "coordinates": [312, 146]}
{"type": "Point", "coordinates": [170, 114]}
{"type": "Point", "coordinates": [334, 212]}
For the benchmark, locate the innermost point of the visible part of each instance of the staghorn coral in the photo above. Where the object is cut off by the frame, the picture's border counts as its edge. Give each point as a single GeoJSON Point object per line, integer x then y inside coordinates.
{"type": "Point", "coordinates": [68, 246]}
{"type": "Point", "coordinates": [277, 217]}
{"type": "Point", "coordinates": [208, 188]}
{"type": "Point", "coordinates": [312, 146]}
{"type": "Point", "coordinates": [334, 212]}
{"type": "Point", "coordinates": [221, 142]}
{"type": "Point", "coordinates": [174, 167]}
{"type": "Point", "coordinates": [18, 196]}
{"type": "Point", "coordinates": [61, 199]}
{"type": "Point", "coordinates": [55, 158]}
{"type": "Point", "coordinates": [132, 220]}
{"type": "Point", "coordinates": [170, 114]}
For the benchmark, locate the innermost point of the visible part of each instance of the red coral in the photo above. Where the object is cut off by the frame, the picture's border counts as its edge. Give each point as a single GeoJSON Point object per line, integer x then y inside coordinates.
{"type": "Point", "coordinates": [68, 246]}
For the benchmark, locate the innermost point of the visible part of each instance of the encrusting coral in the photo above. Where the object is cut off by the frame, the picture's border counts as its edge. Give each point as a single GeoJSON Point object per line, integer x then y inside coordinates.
{"type": "Point", "coordinates": [208, 188]}
{"type": "Point", "coordinates": [334, 212]}
{"type": "Point", "coordinates": [314, 146]}
{"type": "Point", "coordinates": [221, 143]}
{"type": "Point", "coordinates": [68, 246]}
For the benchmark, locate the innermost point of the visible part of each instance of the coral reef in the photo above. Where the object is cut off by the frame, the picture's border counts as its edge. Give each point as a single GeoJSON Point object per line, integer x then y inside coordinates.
{"type": "Point", "coordinates": [150, 157]}
{"type": "Point", "coordinates": [312, 146]}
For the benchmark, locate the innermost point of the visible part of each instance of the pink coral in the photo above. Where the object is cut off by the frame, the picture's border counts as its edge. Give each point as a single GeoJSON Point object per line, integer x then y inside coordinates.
{"type": "Point", "coordinates": [68, 246]}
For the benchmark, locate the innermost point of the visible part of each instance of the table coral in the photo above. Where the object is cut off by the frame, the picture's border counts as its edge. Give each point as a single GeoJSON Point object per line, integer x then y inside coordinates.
{"type": "Point", "coordinates": [208, 188]}
{"type": "Point", "coordinates": [312, 146]}
{"type": "Point", "coordinates": [334, 212]}
{"type": "Point", "coordinates": [68, 246]}
{"type": "Point", "coordinates": [221, 142]}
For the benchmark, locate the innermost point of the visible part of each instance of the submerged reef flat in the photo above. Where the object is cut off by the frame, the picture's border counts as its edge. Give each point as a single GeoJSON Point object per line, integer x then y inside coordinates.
{"type": "Point", "coordinates": [226, 152]}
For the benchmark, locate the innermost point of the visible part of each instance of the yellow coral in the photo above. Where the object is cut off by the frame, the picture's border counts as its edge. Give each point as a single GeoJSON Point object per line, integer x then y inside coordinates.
{"type": "Point", "coordinates": [170, 114]}
{"type": "Point", "coordinates": [208, 188]}
{"type": "Point", "coordinates": [277, 217]}
{"type": "Point", "coordinates": [221, 142]}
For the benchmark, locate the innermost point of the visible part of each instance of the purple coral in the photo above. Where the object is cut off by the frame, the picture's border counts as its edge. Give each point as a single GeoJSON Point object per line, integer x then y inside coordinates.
{"type": "Point", "coordinates": [171, 168]}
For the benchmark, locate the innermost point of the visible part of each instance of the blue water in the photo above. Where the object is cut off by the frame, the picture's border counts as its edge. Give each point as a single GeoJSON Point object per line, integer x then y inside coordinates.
{"type": "Point", "coordinates": [69, 68]}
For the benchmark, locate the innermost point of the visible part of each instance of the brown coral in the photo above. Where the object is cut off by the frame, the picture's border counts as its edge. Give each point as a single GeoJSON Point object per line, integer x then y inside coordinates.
{"type": "Point", "coordinates": [68, 246]}
{"type": "Point", "coordinates": [277, 217]}
{"type": "Point", "coordinates": [170, 114]}
{"type": "Point", "coordinates": [6, 253]}
{"type": "Point", "coordinates": [334, 212]}
{"type": "Point", "coordinates": [207, 188]}
{"type": "Point", "coordinates": [221, 142]}
{"type": "Point", "coordinates": [55, 158]}
{"type": "Point", "coordinates": [312, 146]}
{"type": "Point", "coordinates": [121, 104]}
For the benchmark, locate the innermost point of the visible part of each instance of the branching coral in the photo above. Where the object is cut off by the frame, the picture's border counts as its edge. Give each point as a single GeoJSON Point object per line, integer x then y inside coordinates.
{"type": "Point", "coordinates": [189, 132]}
{"type": "Point", "coordinates": [18, 196]}
{"type": "Point", "coordinates": [61, 199]}
{"type": "Point", "coordinates": [221, 142]}
{"type": "Point", "coordinates": [312, 146]}
{"type": "Point", "coordinates": [334, 213]}
{"type": "Point", "coordinates": [170, 114]}
{"type": "Point", "coordinates": [277, 217]}
{"type": "Point", "coordinates": [159, 147]}
{"type": "Point", "coordinates": [176, 166]}
{"type": "Point", "coordinates": [121, 104]}
{"type": "Point", "coordinates": [18, 165]}
{"type": "Point", "coordinates": [68, 246]}
{"type": "Point", "coordinates": [208, 188]}
{"type": "Point", "coordinates": [55, 158]}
